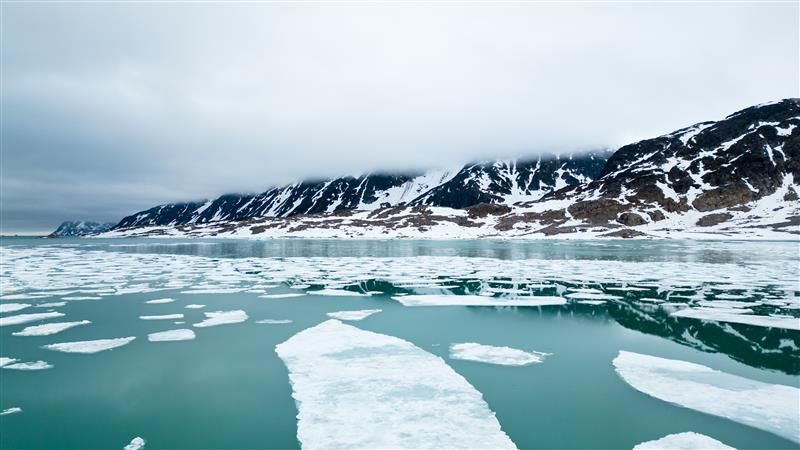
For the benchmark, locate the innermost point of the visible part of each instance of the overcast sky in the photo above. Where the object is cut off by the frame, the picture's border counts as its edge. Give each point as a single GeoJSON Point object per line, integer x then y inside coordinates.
{"type": "Point", "coordinates": [113, 108]}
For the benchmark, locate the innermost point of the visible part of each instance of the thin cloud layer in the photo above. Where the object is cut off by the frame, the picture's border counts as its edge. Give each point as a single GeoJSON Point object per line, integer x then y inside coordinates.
{"type": "Point", "coordinates": [109, 108]}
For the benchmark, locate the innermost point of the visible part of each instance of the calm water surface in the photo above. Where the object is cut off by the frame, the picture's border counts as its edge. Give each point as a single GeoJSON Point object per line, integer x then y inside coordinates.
{"type": "Point", "coordinates": [228, 389]}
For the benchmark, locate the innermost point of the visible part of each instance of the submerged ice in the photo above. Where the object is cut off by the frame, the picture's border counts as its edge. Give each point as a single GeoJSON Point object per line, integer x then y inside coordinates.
{"type": "Point", "coordinates": [359, 389]}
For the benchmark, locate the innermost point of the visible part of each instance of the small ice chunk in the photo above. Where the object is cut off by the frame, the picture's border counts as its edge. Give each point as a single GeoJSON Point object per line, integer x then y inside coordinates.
{"type": "Point", "coordinates": [353, 315]}
{"type": "Point", "coordinates": [13, 410]}
{"type": "Point", "coordinates": [94, 346]}
{"type": "Point", "coordinates": [171, 335]}
{"type": "Point", "coordinates": [683, 441]}
{"type": "Point", "coordinates": [592, 296]}
{"type": "Point", "coordinates": [11, 307]}
{"type": "Point", "coordinates": [137, 443]}
{"type": "Point", "coordinates": [274, 321]}
{"type": "Point", "coordinates": [222, 318]}
{"type": "Point", "coordinates": [163, 317]}
{"type": "Point", "coordinates": [506, 356]}
{"type": "Point", "coordinates": [25, 318]}
{"type": "Point", "coordinates": [50, 305]}
{"type": "Point", "coordinates": [194, 306]}
{"type": "Point", "coordinates": [49, 328]}
{"type": "Point", "coordinates": [359, 389]}
{"type": "Point", "coordinates": [592, 302]}
{"type": "Point", "coordinates": [6, 361]}
{"type": "Point", "coordinates": [476, 300]}
{"type": "Point", "coordinates": [768, 407]}
{"type": "Point", "coordinates": [160, 301]}
{"type": "Point", "coordinates": [34, 365]}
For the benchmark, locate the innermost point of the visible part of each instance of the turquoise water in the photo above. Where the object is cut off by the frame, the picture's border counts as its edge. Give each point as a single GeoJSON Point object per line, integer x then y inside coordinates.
{"type": "Point", "coordinates": [228, 389]}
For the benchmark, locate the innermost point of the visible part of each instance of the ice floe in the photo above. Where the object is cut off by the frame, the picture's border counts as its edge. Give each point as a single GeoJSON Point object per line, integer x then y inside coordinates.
{"type": "Point", "coordinates": [8, 411]}
{"type": "Point", "coordinates": [33, 365]}
{"type": "Point", "coordinates": [163, 317]}
{"type": "Point", "coordinates": [279, 296]}
{"type": "Point", "coordinates": [194, 306]}
{"type": "Point", "coordinates": [769, 407]}
{"type": "Point", "coordinates": [476, 300]}
{"type": "Point", "coordinates": [4, 361]}
{"type": "Point", "coordinates": [337, 293]}
{"type": "Point", "coordinates": [274, 321]}
{"type": "Point", "coordinates": [94, 346]}
{"type": "Point", "coordinates": [136, 443]}
{"type": "Point", "coordinates": [683, 441]}
{"type": "Point", "coordinates": [222, 318]}
{"type": "Point", "coordinates": [506, 356]}
{"type": "Point", "coordinates": [49, 328]}
{"type": "Point", "coordinates": [11, 307]}
{"type": "Point", "coordinates": [734, 315]}
{"type": "Point", "coordinates": [353, 315]}
{"type": "Point", "coordinates": [160, 301]}
{"type": "Point", "coordinates": [25, 318]}
{"type": "Point", "coordinates": [171, 335]}
{"type": "Point", "coordinates": [359, 389]}
{"type": "Point", "coordinates": [50, 305]}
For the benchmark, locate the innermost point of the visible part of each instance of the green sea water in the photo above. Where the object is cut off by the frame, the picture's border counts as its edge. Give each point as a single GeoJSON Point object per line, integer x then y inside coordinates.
{"type": "Point", "coordinates": [227, 388]}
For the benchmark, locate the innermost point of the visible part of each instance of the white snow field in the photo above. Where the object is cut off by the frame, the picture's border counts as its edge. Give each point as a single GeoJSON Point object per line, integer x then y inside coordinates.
{"type": "Point", "coordinates": [683, 441]}
{"type": "Point", "coordinates": [769, 407]}
{"type": "Point", "coordinates": [359, 389]}
{"type": "Point", "coordinates": [506, 356]}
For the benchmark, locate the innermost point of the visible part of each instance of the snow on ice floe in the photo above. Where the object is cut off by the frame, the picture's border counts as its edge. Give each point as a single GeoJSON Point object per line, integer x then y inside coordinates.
{"type": "Point", "coordinates": [49, 328]}
{"type": "Point", "coordinates": [222, 318]}
{"type": "Point", "coordinates": [160, 301]}
{"type": "Point", "coordinates": [163, 317]}
{"type": "Point", "coordinates": [279, 296]}
{"type": "Point", "coordinates": [769, 407]}
{"type": "Point", "coordinates": [33, 365]}
{"type": "Point", "coordinates": [359, 389]}
{"type": "Point", "coordinates": [732, 315]}
{"type": "Point", "coordinates": [506, 356]}
{"type": "Point", "coordinates": [274, 321]}
{"type": "Point", "coordinates": [8, 411]}
{"type": "Point", "coordinates": [11, 307]}
{"type": "Point", "coordinates": [683, 441]}
{"type": "Point", "coordinates": [476, 300]}
{"type": "Point", "coordinates": [353, 315]}
{"type": "Point", "coordinates": [194, 306]}
{"type": "Point", "coordinates": [94, 346]}
{"type": "Point", "coordinates": [25, 318]}
{"type": "Point", "coordinates": [136, 443]}
{"type": "Point", "coordinates": [171, 335]}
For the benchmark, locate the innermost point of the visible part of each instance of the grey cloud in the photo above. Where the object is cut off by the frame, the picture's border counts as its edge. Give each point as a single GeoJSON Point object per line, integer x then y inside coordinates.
{"type": "Point", "coordinates": [112, 107]}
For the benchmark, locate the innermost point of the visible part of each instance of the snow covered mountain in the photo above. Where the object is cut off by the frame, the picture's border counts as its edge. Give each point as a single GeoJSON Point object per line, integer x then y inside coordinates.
{"type": "Point", "coordinates": [736, 177]}
{"type": "Point", "coordinates": [80, 228]}
{"type": "Point", "coordinates": [490, 182]}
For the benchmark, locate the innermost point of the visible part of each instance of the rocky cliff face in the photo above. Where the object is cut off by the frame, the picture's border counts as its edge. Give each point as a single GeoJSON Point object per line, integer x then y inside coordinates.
{"type": "Point", "coordinates": [492, 182]}
{"type": "Point", "coordinates": [80, 228]}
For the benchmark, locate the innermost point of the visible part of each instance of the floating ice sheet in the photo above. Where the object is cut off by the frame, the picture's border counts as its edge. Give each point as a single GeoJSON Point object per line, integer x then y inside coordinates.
{"type": "Point", "coordinates": [25, 318]}
{"type": "Point", "coordinates": [476, 300]}
{"type": "Point", "coordinates": [505, 356]}
{"type": "Point", "coordinates": [683, 441]}
{"type": "Point", "coordinates": [358, 389]}
{"type": "Point", "coordinates": [769, 407]}
{"type": "Point", "coordinates": [274, 321]}
{"type": "Point", "coordinates": [6, 361]}
{"type": "Point", "coordinates": [163, 317]}
{"type": "Point", "coordinates": [97, 345]}
{"type": "Point", "coordinates": [337, 293]}
{"type": "Point", "coordinates": [136, 443]}
{"type": "Point", "coordinates": [735, 316]}
{"type": "Point", "coordinates": [33, 365]}
{"type": "Point", "coordinates": [49, 328]}
{"type": "Point", "coordinates": [194, 306]}
{"type": "Point", "coordinates": [279, 296]}
{"type": "Point", "coordinates": [353, 315]}
{"type": "Point", "coordinates": [8, 411]}
{"type": "Point", "coordinates": [222, 318]}
{"type": "Point", "coordinates": [171, 335]}
{"type": "Point", "coordinates": [11, 307]}
{"type": "Point", "coordinates": [160, 301]}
